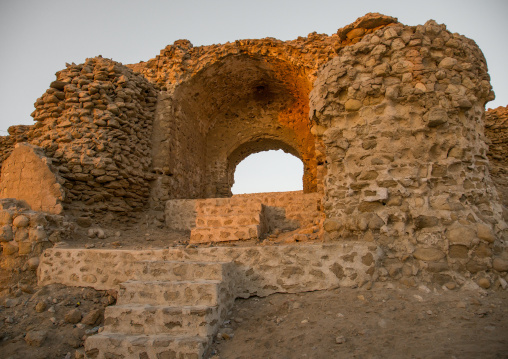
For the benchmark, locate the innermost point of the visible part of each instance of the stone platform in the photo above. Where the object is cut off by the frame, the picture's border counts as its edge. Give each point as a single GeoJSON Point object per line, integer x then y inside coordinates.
{"type": "Point", "coordinates": [171, 302]}
{"type": "Point", "coordinates": [259, 270]}
{"type": "Point", "coordinates": [247, 216]}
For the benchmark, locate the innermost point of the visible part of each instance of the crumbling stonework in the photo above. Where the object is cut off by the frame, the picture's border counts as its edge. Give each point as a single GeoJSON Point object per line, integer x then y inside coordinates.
{"type": "Point", "coordinates": [25, 234]}
{"type": "Point", "coordinates": [95, 123]}
{"type": "Point", "coordinates": [496, 130]}
{"type": "Point", "coordinates": [387, 119]}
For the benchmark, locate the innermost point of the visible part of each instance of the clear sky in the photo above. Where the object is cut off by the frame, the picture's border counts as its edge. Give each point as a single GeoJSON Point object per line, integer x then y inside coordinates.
{"type": "Point", "coordinates": [37, 37]}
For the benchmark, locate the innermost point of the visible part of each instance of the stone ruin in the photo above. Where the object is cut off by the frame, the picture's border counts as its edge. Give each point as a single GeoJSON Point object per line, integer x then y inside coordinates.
{"type": "Point", "coordinates": [404, 174]}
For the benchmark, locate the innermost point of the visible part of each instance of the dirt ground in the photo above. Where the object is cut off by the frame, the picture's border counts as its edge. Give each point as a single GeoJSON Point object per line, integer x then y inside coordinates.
{"type": "Point", "coordinates": [383, 322]}
{"type": "Point", "coordinates": [379, 323]}
{"type": "Point", "coordinates": [387, 321]}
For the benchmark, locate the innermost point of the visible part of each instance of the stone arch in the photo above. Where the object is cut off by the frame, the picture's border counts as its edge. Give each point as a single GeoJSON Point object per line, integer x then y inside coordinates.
{"type": "Point", "coordinates": [238, 100]}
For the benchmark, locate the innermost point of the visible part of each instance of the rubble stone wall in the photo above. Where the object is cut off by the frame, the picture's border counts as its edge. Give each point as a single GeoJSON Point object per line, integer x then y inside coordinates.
{"type": "Point", "coordinates": [395, 140]}
{"type": "Point", "coordinates": [25, 234]}
{"type": "Point", "coordinates": [496, 130]}
{"type": "Point", "coordinates": [95, 124]}
{"type": "Point", "coordinates": [400, 114]}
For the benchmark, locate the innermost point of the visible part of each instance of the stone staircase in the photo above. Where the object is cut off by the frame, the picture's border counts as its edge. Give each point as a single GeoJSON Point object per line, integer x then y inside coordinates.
{"type": "Point", "coordinates": [228, 219]}
{"type": "Point", "coordinates": [172, 309]}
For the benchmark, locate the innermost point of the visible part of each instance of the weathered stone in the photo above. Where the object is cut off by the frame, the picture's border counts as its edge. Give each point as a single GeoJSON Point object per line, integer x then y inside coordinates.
{"type": "Point", "coordinates": [500, 264]}
{"type": "Point", "coordinates": [437, 117]}
{"type": "Point", "coordinates": [35, 338]}
{"type": "Point", "coordinates": [6, 234]}
{"type": "Point", "coordinates": [331, 225]}
{"type": "Point", "coordinates": [484, 232]}
{"type": "Point", "coordinates": [59, 85]}
{"type": "Point", "coordinates": [33, 263]}
{"type": "Point", "coordinates": [447, 63]}
{"type": "Point", "coordinates": [426, 221]}
{"type": "Point", "coordinates": [37, 235]}
{"type": "Point", "coordinates": [458, 251]}
{"type": "Point", "coordinates": [92, 317]}
{"type": "Point", "coordinates": [21, 221]}
{"type": "Point", "coordinates": [353, 105]}
{"type": "Point", "coordinates": [428, 254]}
{"type": "Point", "coordinates": [10, 248]}
{"type": "Point", "coordinates": [484, 283]}
{"type": "Point", "coordinates": [474, 266]}
{"type": "Point", "coordinates": [25, 248]}
{"type": "Point", "coordinates": [27, 176]}
{"type": "Point", "coordinates": [461, 235]}
{"type": "Point", "coordinates": [40, 307]}
{"type": "Point", "coordinates": [73, 316]}
{"type": "Point", "coordinates": [5, 218]}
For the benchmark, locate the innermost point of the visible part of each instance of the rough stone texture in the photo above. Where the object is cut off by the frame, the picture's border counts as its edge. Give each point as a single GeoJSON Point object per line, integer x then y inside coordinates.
{"type": "Point", "coordinates": [260, 270]}
{"type": "Point", "coordinates": [180, 214]}
{"type": "Point", "coordinates": [247, 216]}
{"type": "Point", "coordinates": [496, 130]}
{"type": "Point", "coordinates": [95, 124]}
{"type": "Point", "coordinates": [25, 234]}
{"type": "Point", "coordinates": [386, 118]}
{"type": "Point", "coordinates": [27, 176]}
{"type": "Point", "coordinates": [400, 114]}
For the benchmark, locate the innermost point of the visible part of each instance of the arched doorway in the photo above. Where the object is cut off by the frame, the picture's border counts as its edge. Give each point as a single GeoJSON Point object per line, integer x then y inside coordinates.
{"type": "Point", "coordinates": [234, 107]}
{"type": "Point", "coordinates": [268, 171]}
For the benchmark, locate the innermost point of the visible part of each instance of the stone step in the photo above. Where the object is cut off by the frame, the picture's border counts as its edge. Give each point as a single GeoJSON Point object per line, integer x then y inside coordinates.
{"type": "Point", "coordinates": [178, 270]}
{"type": "Point", "coordinates": [174, 293]}
{"type": "Point", "coordinates": [207, 234]}
{"type": "Point", "coordinates": [147, 319]}
{"type": "Point", "coordinates": [227, 220]}
{"type": "Point", "coordinates": [226, 206]}
{"type": "Point", "coordinates": [107, 345]}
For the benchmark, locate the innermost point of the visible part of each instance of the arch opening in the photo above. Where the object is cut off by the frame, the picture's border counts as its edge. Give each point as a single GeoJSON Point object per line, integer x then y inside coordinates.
{"type": "Point", "coordinates": [232, 108]}
{"type": "Point", "coordinates": [268, 171]}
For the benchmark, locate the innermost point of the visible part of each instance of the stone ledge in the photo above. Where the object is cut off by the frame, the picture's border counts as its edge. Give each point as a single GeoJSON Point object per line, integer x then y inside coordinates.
{"type": "Point", "coordinates": [259, 270]}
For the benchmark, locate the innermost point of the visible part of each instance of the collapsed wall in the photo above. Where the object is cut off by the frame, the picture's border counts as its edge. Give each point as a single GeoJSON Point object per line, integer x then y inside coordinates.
{"type": "Point", "coordinates": [496, 131]}
{"type": "Point", "coordinates": [95, 124]}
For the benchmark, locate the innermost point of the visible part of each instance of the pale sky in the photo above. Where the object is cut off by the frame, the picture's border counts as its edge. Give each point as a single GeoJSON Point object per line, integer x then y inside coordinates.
{"type": "Point", "coordinates": [37, 37]}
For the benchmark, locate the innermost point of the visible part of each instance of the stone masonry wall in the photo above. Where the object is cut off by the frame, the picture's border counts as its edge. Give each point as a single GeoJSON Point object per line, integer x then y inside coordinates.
{"type": "Point", "coordinates": [95, 124]}
{"type": "Point", "coordinates": [238, 95]}
{"type": "Point", "coordinates": [496, 130]}
{"type": "Point", "coordinates": [400, 113]}
{"type": "Point", "coordinates": [25, 234]}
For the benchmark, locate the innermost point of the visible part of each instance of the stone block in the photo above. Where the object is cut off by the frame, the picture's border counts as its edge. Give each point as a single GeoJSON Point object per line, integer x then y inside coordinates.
{"type": "Point", "coordinates": [485, 232]}
{"type": "Point", "coordinates": [461, 235]}
{"type": "Point", "coordinates": [6, 234]}
{"type": "Point", "coordinates": [500, 264]}
{"type": "Point", "coordinates": [428, 254]}
{"type": "Point", "coordinates": [160, 319]}
{"type": "Point", "coordinates": [186, 293]}
{"type": "Point", "coordinates": [21, 221]}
